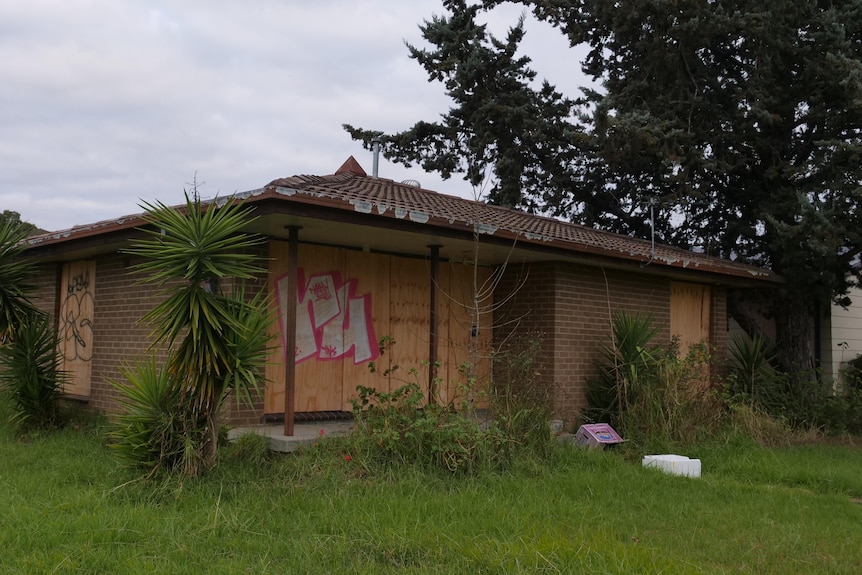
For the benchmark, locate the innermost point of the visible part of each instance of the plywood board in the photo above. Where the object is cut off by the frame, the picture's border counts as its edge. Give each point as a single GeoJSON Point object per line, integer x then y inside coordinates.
{"type": "Point", "coordinates": [319, 374]}
{"type": "Point", "coordinates": [409, 319]}
{"type": "Point", "coordinates": [690, 313]}
{"type": "Point", "coordinates": [75, 325]}
{"type": "Point", "coordinates": [444, 305]}
{"type": "Point", "coordinates": [371, 272]}
{"type": "Point", "coordinates": [273, 398]}
{"type": "Point", "coordinates": [470, 327]}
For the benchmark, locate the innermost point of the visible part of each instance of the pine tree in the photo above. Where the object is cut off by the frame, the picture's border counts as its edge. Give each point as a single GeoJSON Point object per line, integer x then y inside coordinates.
{"type": "Point", "coordinates": [739, 121]}
{"type": "Point", "coordinates": [501, 131]}
{"type": "Point", "coordinates": [743, 121]}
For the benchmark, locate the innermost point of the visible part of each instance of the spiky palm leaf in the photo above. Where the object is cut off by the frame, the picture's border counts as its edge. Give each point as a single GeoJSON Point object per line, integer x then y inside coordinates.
{"type": "Point", "coordinates": [250, 344]}
{"type": "Point", "coordinates": [155, 430]}
{"type": "Point", "coordinates": [217, 342]}
{"type": "Point", "coordinates": [188, 250]}
{"type": "Point", "coordinates": [625, 360]}
{"type": "Point", "coordinates": [31, 374]}
{"type": "Point", "coordinates": [193, 248]}
{"type": "Point", "coordinates": [15, 273]}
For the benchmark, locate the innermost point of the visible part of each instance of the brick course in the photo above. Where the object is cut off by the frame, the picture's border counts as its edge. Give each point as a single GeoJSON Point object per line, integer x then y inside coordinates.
{"type": "Point", "coordinates": [571, 305]}
{"type": "Point", "coordinates": [119, 337]}
{"type": "Point", "coordinates": [566, 306]}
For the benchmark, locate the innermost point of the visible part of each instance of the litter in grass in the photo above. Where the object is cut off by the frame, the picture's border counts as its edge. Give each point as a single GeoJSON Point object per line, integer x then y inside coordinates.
{"type": "Point", "coordinates": [674, 464]}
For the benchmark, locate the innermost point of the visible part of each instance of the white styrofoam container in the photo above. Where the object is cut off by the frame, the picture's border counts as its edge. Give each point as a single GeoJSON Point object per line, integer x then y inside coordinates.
{"type": "Point", "coordinates": [674, 464]}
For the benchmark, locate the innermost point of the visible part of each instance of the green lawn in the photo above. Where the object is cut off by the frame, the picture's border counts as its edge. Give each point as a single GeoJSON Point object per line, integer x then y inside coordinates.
{"type": "Point", "coordinates": [64, 509]}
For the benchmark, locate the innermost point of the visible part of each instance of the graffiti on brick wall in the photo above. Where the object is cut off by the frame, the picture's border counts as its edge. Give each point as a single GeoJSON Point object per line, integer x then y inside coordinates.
{"type": "Point", "coordinates": [332, 320]}
{"type": "Point", "coordinates": [76, 318]}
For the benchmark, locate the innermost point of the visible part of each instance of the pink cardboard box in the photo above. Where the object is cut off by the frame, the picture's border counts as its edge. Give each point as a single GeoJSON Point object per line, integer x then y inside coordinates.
{"type": "Point", "coordinates": [597, 435]}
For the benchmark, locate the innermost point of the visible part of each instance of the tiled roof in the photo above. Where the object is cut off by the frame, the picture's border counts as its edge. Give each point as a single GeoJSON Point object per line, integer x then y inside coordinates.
{"type": "Point", "coordinates": [386, 198]}
{"type": "Point", "coordinates": [351, 190]}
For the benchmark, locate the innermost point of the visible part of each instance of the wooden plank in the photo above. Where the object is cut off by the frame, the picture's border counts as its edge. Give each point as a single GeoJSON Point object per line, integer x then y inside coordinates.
{"type": "Point", "coordinates": [434, 360]}
{"type": "Point", "coordinates": [75, 325]}
{"type": "Point", "coordinates": [470, 328]}
{"type": "Point", "coordinates": [690, 313]}
{"type": "Point", "coordinates": [410, 291]}
{"type": "Point", "coordinates": [371, 272]}
{"type": "Point", "coordinates": [273, 397]}
{"type": "Point", "coordinates": [319, 379]}
{"type": "Point", "coordinates": [446, 373]}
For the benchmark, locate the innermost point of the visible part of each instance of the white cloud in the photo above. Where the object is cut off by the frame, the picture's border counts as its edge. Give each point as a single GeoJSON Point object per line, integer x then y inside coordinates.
{"type": "Point", "coordinates": [104, 102]}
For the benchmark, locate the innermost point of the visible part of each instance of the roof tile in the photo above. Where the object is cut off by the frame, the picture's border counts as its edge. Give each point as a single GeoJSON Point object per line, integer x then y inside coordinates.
{"type": "Point", "coordinates": [354, 192]}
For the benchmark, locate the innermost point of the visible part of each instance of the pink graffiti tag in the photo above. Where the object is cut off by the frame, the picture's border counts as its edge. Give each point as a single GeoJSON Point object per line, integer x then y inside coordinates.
{"type": "Point", "coordinates": [320, 290]}
{"type": "Point", "coordinates": [331, 320]}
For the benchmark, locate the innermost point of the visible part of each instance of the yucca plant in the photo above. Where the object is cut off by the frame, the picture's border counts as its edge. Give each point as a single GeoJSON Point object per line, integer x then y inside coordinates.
{"type": "Point", "coordinates": [750, 366]}
{"type": "Point", "coordinates": [15, 273]}
{"type": "Point", "coordinates": [156, 430]}
{"type": "Point", "coordinates": [30, 373]}
{"type": "Point", "coordinates": [217, 341]}
{"type": "Point", "coordinates": [625, 361]}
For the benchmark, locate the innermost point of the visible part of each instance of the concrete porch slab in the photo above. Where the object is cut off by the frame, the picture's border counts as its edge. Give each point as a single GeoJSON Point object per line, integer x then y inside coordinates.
{"type": "Point", "coordinates": [304, 434]}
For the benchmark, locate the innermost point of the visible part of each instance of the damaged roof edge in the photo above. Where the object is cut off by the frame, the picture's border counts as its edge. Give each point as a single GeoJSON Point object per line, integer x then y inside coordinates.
{"type": "Point", "coordinates": [664, 255]}
{"type": "Point", "coordinates": [385, 199]}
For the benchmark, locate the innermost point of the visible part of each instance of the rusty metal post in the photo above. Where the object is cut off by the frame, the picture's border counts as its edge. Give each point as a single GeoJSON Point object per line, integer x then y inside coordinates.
{"type": "Point", "coordinates": [290, 335]}
{"type": "Point", "coordinates": [434, 339]}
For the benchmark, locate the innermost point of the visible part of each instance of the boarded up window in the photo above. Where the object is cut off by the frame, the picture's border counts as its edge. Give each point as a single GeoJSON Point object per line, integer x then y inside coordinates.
{"type": "Point", "coordinates": [347, 301]}
{"type": "Point", "coordinates": [690, 313]}
{"type": "Point", "coordinates": [75, 325]}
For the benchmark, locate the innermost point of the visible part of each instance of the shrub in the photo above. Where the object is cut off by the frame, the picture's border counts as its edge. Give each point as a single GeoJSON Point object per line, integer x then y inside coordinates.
{"type": "Point", "coordinates": [156, 429]}
{"type": "Point", "coordinates": [31, 375]}
{"type": "Point", "coordinates": [652, 393]}
{"type": "Point", "coordinates": [624, 363]}
{"type": "Point", "coordinates": [401, 428]}
{"type": "Point", "coordinates": [15, 273]}
{"type": "Point", "coordinates": [852, 375]}
{"type": "Point", "coordinates": [801, 400]}
{"type": "Point", "coordinates": [398, 428]}
{"type": "Point", "coordinates": [674, 401]}
{"type": "Point", "coordinates": [750, 368]}
{"type": "Point", "coordinates": [217, 341]}
{"type": "Point", "coordinates": [520, 408]}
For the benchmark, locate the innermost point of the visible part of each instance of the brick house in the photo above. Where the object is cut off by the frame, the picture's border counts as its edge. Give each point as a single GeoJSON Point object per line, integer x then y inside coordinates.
{"type": "Point", "coordinates": [353, 259]}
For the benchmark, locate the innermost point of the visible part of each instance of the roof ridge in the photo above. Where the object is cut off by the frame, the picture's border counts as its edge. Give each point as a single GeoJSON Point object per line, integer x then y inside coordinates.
{"type": "Point", "coordinates": [351, 166]}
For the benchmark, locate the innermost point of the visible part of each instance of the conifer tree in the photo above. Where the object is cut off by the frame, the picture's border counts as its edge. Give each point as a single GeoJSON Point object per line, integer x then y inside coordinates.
{"type": "Point", "coordinates": [739, 121]}
{"type": "Point", "coordinates": [501, 131]}
{"type": "Point", "coordinates": [743, 121]}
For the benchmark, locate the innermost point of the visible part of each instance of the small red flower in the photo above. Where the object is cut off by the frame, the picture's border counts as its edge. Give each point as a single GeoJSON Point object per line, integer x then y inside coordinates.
{"type": "Point", "coordinates": [348, 458]}
{"type": "Point", "coordinates": [321, 433]}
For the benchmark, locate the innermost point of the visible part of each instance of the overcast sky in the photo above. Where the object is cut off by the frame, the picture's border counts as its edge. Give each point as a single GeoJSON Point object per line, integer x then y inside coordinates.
{"type": "Point", "coordinates": [107, 102]}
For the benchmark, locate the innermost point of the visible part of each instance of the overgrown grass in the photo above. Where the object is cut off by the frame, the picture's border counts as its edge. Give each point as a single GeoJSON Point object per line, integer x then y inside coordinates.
{"type": "Point", "coordinates": [66, 507]}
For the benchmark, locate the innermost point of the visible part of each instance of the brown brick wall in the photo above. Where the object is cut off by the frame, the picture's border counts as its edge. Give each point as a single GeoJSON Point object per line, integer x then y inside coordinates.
{"type": "Point", "coordinates": [119, 338]}
{"type": "Point", "coordinates": [566, 306]}
{"type": "Point", "coordinates": [587, 297]}
{"type": "Point", "coordinates": [571, 306]}
{"type": "Point", "coordinates": [527, 294]}
{"type": "Point", "coordinates": [719, 328]}
{"type": "Point", "coordinates": [45, 285]}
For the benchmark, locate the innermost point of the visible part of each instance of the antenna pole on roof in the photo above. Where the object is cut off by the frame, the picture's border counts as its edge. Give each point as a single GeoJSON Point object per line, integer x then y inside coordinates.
{"type": "Point", "coordinates": [375, 148]}
{"type": "Point", "coordinates": [652, 203]}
